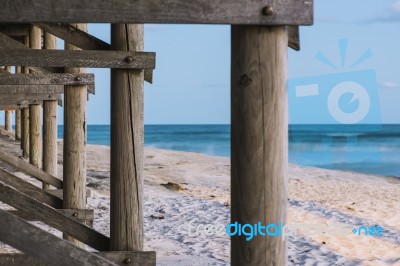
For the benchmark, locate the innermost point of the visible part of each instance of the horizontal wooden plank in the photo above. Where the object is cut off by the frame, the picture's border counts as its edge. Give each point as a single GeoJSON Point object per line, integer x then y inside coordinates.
{"type": "Point", "coordinates": [16, 29]}
{"type": "Point", "coordinates": [47, 79]}
{"type": "Point", "coordinates": [32, 89]}
{"type": "Point", "coordinates": [77, 58]}
{"type": "Point", "coordinates": [19, 97]}
{"type": "Point", "coordinates": [27, 168]}
{"type": "Point", "coordinates": [250, 12]}
{"type": "Point", "coordinates": [59, 192]}
{"type": "Point", "coordinates": [12, 106]}
{"type": "Point", "coordinates": [142, 258]}
{"type": "Point", "coordinates": [52, 217]}
{"type": "Point", "coordinates": [44, 246]}
{"type": "Point", "coordinates": [77, 215]}
{"type": "Point", "coordinates": [82, 39]}
{"type": "Point", "coordinates": [29, 189]}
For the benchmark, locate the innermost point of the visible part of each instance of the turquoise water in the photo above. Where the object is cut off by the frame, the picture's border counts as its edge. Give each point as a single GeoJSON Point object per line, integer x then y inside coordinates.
{"type": "Point", "coordinates": [363, 148]}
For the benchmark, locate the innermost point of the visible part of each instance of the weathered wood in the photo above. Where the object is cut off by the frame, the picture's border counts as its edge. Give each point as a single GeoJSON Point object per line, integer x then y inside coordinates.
{"type": "Point", "coordinates": [47, 79]}
{"type": "Point", "coordinates": [78, 215]}
{"type": "Point", "coordinates": [40, 244]}
{"type": "Point", "coordinates": [20, 97]}
{"type": "Point", "coordinates": [74, 168]}
{"type": "Point", "coordinates": [35, 140]}
{"type": "Point", "coordinates": [49, 124]}
{"type": "Point", "coordinates": [81, 58]}
{"type": "Point", "coordinates": [52, 217]}
{"type": "Point", "coordinates": [259, 141]}
{"type": "Point", "coordinates": [285, 12]}
{"type": "Point", "coordinates": [14, 106]}
{"type": "Point", "coordinates": [294, 37]}
{"type": "Point", "coordinates": [25, 135]}
{"type": "Point", "coordinates": [23, 166]}
{"type": "Point", "coordinates": [83, 40]}
{"type": "Point", "coordinates": [29, 189]}
{"type": "Point", "coordinates": [15, 30]}
{"type": "Point", "coordinates": [31, 89]}
{"type": "Point", "coordinates": [8, 120]}
{"type": "Point", "coordinates": [143, 258]}
{"type": "Point", "coordinates": [126, 156]}
{"type": "Point", "coordinates": [17, 124]}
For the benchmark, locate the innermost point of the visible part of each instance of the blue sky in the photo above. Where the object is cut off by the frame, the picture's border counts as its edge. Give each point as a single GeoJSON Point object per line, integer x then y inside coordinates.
{"type": "Point", "coordinates": [192, 76]}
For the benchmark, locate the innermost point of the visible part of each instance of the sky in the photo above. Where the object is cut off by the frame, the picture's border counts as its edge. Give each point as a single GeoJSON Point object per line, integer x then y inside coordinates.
{"type": "Point", "coordinates": [192, 76]}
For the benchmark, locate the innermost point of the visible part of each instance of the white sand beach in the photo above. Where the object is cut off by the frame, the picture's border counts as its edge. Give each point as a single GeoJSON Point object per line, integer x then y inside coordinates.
{"type": "Point", "coordinates": [317, 196]}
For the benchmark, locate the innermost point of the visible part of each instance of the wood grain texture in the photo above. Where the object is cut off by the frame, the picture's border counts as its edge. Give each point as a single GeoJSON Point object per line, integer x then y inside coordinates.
{"type": "Point", "coordinates": [53, 218]}
{"type": "Point", "coordinates": [17, 124]}
{"type": "Point", "coordinates": [285, 12]}
{"type": "Point", "coordinates": [143, 258]}
{"type": "Point", "coordinates": [126, 176]}
{"type": "Point", "coordinates": [81, 58]}
{"type": "Point", "coordinates": [16, 29]}
{"type": "Point", "coordinates": [47, 79]}
{"type": "Point", "coordinates": [29, 189]}
{"type": "Point", "coordinates": [27, 97]}
{"type": "Point", "coordinates": [35, 136]}
{"type": "Point", "coordinates": [40, 244]}
{"type": "Point", "coordinates": [78, 215]}
{"type": "Point", "coordinates": [74, 169]}
{"type": "Point", "coordinates": [8, 120]}
{"type": "Point", "coordinates": [23, 166]}
{"type": "Point", "coordinates": [82, 39]}
{"type": "Point", "coordinates": [25, 133]}
{"type": "Point", "coordinates": [259, 140]}
{"type": "Point", "coordinates": [49, 123]}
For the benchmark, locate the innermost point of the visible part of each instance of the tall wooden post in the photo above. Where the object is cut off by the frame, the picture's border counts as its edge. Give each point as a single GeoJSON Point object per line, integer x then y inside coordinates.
{"type": "Point", "coordinates": [74, 170]}
{"type": "Point", "coordinates": [18, 124]}
{"type": "Point", "coordinates": [18, 115]}
{"type": "Point", "coordinates": [25, 132]}
{"type": "Point", "coordinates": [35, 124]}
{"type": "Point", "coordinates": [126, 221]}
{"type": "Point", "coordinates": [259, 140]}
{"type": "Point", "coordinates": [49, 124]}
{"type": "Point", "coordinates": [25, 117]}
{"type": "Point", "coordinates": [8, 120]}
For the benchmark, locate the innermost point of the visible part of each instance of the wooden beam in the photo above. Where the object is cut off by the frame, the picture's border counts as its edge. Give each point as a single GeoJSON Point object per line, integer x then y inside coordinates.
{"type": "Point", "coordinates": [21, 97]}
{"type": "Point", "coordinates": [126, 156]}
{"type": "Point", "coordinates": [294, 37]}
{"type": "Point", "coordinates": [45, 246]}
{"type": "Point", "coordinates": [251, 12]}
{"type": "Point", "coordinates": [121, 258]}
{"type": "Point", "coordinates": [17, 124]}
{"type": "Point", "coordinates": [23, 166]}
{"type": "Point", "coordinates": [78, 215]}
{"type": "Point", "coordinates": [259, 141]}
{"type": "Point", "coordinates": [82, 58]}
{"type": "Point", "coordinates": [16, 29]}
{"type": "Point", "coordinates": [47, 79]}
{"type": "Point", "coordinates": [53, 218]}
{"type": "Point", "coordinates": [59, 192]}
{"type": "Point", "coordinates": [82, 39]}
{"type": "Point", "coordinates": [24, 142]}
{"type": "Point", "coordinates": [29, 189]}
{"type": "Point", "coordinates": [35, 138]}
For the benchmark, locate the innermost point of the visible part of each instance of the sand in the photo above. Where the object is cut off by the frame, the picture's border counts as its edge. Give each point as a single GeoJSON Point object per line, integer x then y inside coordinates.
{"type": "Point", "coordinates": [317, 196]}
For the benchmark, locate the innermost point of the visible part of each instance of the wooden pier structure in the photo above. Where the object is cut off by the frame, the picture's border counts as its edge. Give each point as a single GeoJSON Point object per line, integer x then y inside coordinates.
{"type": "Point", "coordinates": [35, 77]}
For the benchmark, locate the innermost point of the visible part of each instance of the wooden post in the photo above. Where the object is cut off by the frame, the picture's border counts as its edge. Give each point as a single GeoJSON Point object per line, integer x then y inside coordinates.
{"type": "Point", "coordinates": [49, 124]}
{"type": "Point", "coordinates": [35, 124]}
{"type": "Point", "coordinates": [18, 124]}
{"type": "Point", "coordinates": [74, 170]}
{"type": "Point", "coordinates": [25, 117]}
{"type": "Point", "coordinates": [25, 132]}
{"type": "Point", "coordinates": [259, 140]}
{"type": "Point", "coordinates": [8, 120]}
{"type": "Point", "coordinates": [126, 221]}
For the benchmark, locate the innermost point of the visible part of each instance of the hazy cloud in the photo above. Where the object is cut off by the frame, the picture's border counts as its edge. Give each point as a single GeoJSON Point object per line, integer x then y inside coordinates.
{"type": "Point", "coordinates": [389, 15]}
{"type": "Point", "coordinates": [389, 85]}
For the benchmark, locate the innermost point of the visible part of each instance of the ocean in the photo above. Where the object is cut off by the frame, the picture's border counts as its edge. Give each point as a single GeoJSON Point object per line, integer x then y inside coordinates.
{"type": "Point", "coordinates": [371, 149]}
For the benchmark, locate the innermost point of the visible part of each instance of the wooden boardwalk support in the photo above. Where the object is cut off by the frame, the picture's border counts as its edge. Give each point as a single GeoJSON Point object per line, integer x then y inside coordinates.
{"type": "Point", "coordinates": [74, 169]}
{"type": "Point", "coordinates": [25, 132]}
{"type": "Point", "coordinates": [126, 176]}
{"type": "Point", "coordinates": [49, 124]}
{"type": "Point", "coordinates": [259, 136]}
{"type": "Point", "coordinates": [8, 120]}
{"type": "Point", "coordinates": [18, 124]}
